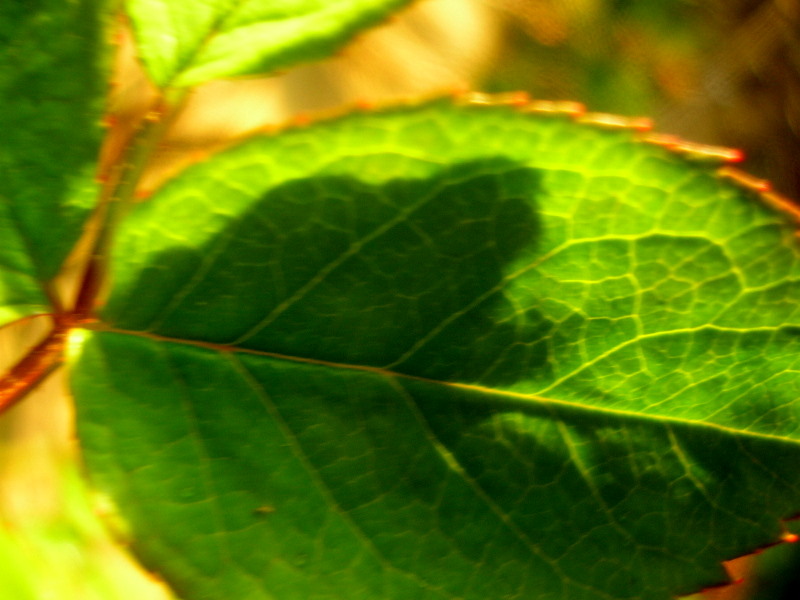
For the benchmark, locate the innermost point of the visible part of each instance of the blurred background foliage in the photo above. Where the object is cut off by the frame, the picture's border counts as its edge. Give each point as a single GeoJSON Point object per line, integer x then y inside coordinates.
{"type": "Point", "coordinates": [722, 72]}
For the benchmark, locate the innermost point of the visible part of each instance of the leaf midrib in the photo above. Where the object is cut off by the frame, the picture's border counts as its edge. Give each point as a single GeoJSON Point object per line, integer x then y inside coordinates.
{"type": "Point", "coordinates": [509, 397]}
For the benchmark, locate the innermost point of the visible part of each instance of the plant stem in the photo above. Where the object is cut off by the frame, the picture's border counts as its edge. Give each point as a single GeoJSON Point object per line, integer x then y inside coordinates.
{"type": "Point", "coordinates": [35, 366]}
{"type": "Point", "coordinates": [118, 195]}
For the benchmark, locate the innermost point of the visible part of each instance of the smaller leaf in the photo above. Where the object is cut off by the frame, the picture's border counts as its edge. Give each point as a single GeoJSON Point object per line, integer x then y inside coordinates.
{"type": "Point", "coordinates": [52, 85]}
{"type": "Point", "coordinates": [187, 43]}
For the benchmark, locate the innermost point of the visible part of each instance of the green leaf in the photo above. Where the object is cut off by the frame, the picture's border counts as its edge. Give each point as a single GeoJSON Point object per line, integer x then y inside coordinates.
{"type": "Point", "coordinates": [52, 80]}
{"type": "Point", "coordinates": [184, 43]}
{"type": "Point", "coordinates": [447, 352]}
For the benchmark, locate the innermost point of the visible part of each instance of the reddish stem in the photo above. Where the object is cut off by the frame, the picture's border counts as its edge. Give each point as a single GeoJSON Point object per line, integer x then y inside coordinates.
{"type": "Point", "coordinates": [89, 289]}
{"type": "Point", "coordinates": [37, 364]}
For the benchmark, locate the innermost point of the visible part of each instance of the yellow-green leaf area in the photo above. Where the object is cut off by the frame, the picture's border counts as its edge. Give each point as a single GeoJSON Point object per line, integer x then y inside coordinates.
{"type": "Point", "coordinates": [184, 44]}
{"type": "Point", "coordinates": [447, 351]}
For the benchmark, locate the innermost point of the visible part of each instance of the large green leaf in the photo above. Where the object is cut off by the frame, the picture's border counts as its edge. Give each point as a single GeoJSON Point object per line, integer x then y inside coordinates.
{"type": "Point", "coordinates": [51, 88]}
{"type": "Point", "coordinates": [186, 43]}
{"type": "Point", "coordinates": [447, 352]}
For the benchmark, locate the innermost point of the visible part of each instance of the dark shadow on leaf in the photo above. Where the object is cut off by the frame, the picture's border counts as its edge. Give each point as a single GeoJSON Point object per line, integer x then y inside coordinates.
{"type": "Point", "coordinates": [408, 275]}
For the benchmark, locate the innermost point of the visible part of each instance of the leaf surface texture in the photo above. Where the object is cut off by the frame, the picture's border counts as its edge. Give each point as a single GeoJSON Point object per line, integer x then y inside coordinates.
{"type": "Point", "coordinates": [183, 44]}
{"type": "Point", "coordinates": [447, 352]}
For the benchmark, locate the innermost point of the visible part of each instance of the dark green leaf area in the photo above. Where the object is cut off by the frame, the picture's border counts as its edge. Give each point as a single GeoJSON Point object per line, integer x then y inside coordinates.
{"type": "Point", "coordinates": [289, 480]}
{"type": "Point", "coordinates": [52, 86]}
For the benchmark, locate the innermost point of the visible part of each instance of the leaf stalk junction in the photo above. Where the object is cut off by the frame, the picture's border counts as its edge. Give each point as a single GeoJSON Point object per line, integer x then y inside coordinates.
{"type": "Point", "coordinates": [116, 196]}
